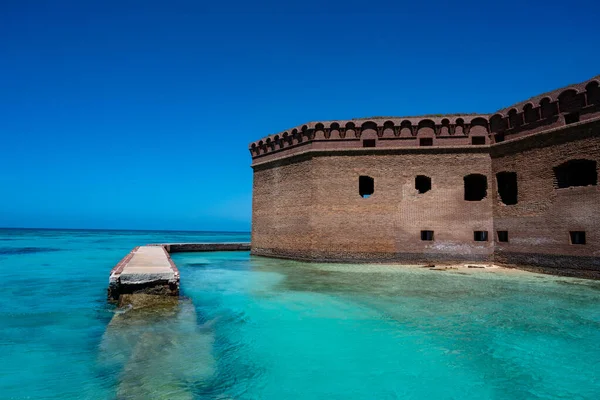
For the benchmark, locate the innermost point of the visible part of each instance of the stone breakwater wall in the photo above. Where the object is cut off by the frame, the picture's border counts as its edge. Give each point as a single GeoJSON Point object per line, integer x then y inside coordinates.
{"type": "Point", "coordinates": [200, 247]}
{"type": "Point", "coordinates": [150, 271]}
{"type": "Point", "coordinates": [518, 187]}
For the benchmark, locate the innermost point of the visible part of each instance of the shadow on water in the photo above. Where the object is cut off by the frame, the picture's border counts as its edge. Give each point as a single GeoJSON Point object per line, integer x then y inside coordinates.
{"type": "Point", "coordinates": [25, 250]}
{"type": "Point", "coordinates": [160, 351]}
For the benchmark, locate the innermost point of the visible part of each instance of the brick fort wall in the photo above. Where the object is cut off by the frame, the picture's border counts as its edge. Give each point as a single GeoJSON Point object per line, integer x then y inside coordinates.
{"type": "Point", "coordinates": [307, 204]}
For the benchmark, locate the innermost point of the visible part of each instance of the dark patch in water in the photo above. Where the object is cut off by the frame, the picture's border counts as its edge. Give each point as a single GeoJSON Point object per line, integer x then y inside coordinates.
{"type": "Point", "coordinates": [25, 250]}
{"type": "Point", "coordinates": [199, 264]}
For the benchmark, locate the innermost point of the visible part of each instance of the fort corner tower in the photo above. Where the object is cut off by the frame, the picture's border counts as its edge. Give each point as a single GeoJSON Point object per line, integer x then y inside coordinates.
{"type": "Point", "coordinates": [517, 187]}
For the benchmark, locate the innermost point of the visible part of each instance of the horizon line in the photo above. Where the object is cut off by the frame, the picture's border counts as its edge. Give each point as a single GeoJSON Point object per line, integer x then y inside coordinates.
{"type": "Point", "coordinates": [123, 230]}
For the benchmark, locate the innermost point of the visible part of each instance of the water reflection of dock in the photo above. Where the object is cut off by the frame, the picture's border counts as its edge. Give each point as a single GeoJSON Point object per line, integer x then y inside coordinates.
{"type": "Point", "coordinates": [154, 340]}
{"type": "Point", "coordinates": [160, 352]}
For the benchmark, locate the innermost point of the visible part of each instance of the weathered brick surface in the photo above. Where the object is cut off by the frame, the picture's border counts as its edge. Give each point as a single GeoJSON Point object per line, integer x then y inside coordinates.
{"type": "Point", "coordinates": [312, 209]}
{"type": "Point", "coordinates": [281, 207]}
{"type": "Point", "coordinates": [306, 202]}
{"type": "Point", "coordinates": [539, 224]}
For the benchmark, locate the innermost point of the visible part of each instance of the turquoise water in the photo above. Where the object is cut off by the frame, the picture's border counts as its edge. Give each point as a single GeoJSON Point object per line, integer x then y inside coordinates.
{"type": "Point", "coordinates": [256, 328]}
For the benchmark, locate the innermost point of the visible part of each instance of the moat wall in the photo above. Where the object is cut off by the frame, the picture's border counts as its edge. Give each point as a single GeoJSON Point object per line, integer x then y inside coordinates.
{"type": "Point", "coordinates": [307, 205]}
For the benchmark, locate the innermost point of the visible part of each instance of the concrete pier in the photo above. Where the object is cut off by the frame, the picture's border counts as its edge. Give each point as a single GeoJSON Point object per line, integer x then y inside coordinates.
{"type": "Point", "coordinates": [149, 271]}
{"type": "Point", "coordinates": [146, 269]}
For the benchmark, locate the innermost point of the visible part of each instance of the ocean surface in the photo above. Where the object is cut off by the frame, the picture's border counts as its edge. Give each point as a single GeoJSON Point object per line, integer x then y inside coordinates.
{"type": "Point", "coordinates": [256, 328]}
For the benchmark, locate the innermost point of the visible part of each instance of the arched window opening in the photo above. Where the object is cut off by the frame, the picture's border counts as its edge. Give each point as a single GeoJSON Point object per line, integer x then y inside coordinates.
{"type": "Point", "coordinates": [366, 186]}
{"type": "Point", "coordinates": [369, 125]}
{"type": "Point", "coordinates": [475, 187]}
{"type": "Point", "coordinates": [576, 173]}
{"type": "Point", "coordinates": [507, 187]}
{"type": "Point", "coordinates": [548, 108]}
{"type": "Point", "coordinates": [531, 114]}
{"type": "Point", "coordinates": [570, 100]}
{"type": "Point", "coordinates": [423, 183]}
{"type": "Point", "coordinates": [497, 123]}
{"type": "Point", "coordinates": [515, 119]}
{"type": "Point", "coordinates": [593, 93]}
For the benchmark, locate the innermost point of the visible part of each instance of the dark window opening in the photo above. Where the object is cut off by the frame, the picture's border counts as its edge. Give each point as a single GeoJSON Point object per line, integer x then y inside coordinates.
{"type": "Point", "coordinates": [577, 237]}
{"type": "Point", "coordinates": [366, 186]}
{"type": "Point", "coordinates": [369, 143]}
{"type": "Point", "coordinates": [478, 140]}
{"type": "Point", "coordinates": [499, 137]}
{"type": "Point", "coordinates": [423, 183]}
{"type": "Point", "coordinates": [475, 187]}
{"type": "Point", "coordinates": [427, 235]}
{"type": "Point", "coordinates": [480, 236]}
{"type": "Point", "coordinates": [507, 187]}
{"type": "Point", "coordinates": [572, 118]}
{"type": "Point", "coordinates": [426, 142]}
{"type": "Point", "coordinates": [576, 173]}
{"type": "Point", "coordinates": [503, 236]}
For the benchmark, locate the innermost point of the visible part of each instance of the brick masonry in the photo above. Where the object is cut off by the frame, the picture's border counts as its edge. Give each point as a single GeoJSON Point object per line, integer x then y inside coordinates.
{"type": "Point", "coordinates": [306, 203]}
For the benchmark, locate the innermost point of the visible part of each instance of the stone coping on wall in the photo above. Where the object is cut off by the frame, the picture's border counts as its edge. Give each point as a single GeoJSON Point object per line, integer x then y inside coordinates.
{"type": "Point", "coordinates": [547, 137]}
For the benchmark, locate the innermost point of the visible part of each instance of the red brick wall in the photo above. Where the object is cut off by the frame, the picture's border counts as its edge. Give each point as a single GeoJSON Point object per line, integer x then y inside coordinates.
{"type": "Point", "coordinates": [307, 206]}
{"type": "Point", "coordinates": [281, 209]}
{"type": "Point", "coordinates": [540, 222]}
{"type": "Point", "coordinates": [312, 209]}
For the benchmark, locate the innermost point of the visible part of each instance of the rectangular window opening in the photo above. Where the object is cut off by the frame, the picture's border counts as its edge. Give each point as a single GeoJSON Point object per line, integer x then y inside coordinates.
{"type": "Point", "coordinates": [478, 140]}
{"type": "Point", "coordinates": [508, 189]}
{"type": "Point", "coordinates": [369, 143]}
{"type": "Point", "coordinates": [426, 142]}
{"type": "Point", "coordinates": [580, 172]}
{"type": "Point", "coordinates": [480, 236]}
{"type": "Point", "coordinates": [503, 236]}
{"type": "Point", "coordinates": [572, 118]}
{"type": "Point", "coordinates": [427, 235]}
{"type": "Point", "coordinates": [577, 237]}
{"type": "Point", "coordinates": [366, 186]}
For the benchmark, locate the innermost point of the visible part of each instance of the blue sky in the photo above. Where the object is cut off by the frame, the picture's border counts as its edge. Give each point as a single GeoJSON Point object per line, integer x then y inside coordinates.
{"type": "Point", "coordinates": [138, 114]}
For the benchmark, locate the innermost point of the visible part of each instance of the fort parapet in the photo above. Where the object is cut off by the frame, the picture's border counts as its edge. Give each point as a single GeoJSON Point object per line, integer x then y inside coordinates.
{"type": "Point", "coordinates": [517, 187]}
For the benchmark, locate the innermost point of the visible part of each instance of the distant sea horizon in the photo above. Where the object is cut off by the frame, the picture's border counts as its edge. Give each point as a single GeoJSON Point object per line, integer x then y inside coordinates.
{"type": "Point", "coordinates": [127, 230]}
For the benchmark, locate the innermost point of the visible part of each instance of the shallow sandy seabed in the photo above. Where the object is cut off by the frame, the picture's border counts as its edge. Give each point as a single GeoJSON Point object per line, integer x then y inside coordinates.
{"type": "Point", "coordinates": [459, 269]}
{"type": "Point", "coordinates": [395, 267]}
